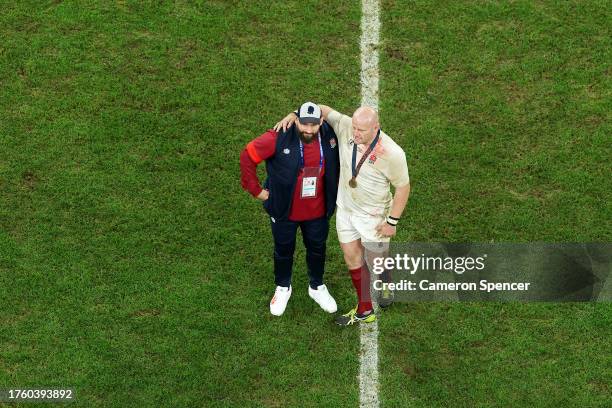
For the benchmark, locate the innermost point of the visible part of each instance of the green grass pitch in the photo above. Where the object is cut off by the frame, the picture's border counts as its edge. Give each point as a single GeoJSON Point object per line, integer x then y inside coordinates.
{"type": "Point", "coordinates": [135, 269]}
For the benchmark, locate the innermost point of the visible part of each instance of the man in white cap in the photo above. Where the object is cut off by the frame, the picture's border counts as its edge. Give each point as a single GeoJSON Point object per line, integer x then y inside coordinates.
{"type": "Point", "coordinates": [302, 166]}
{"type": "Point", "coordinates": [368, 214]}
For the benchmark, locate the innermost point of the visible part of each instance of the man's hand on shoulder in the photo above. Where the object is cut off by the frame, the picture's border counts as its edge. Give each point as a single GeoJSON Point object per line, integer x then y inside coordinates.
{"type": "Point", "coordinates": [286, 122]}
{"type": "Point", "coordinates": [292, 117]}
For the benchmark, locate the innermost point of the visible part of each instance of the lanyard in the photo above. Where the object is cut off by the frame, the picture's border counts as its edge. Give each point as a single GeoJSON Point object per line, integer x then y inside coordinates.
{"type": "Point", "coordinates": [355, 170]}
{"type": "Point", "coordinates": [320, 154]}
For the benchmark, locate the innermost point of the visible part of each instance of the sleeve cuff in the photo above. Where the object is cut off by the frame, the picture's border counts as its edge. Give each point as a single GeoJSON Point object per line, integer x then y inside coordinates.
{"type": "Point", "coordinates": [256, 191]}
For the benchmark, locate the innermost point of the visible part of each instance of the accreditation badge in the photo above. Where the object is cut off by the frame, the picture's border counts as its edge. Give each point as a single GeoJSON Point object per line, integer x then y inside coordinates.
{"type": "Point", "coordinates": [310, 181]}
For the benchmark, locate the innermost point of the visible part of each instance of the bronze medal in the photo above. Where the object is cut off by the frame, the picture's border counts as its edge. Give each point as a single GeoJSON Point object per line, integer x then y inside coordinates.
{"type": "Point", "coordinates": [353, 183]}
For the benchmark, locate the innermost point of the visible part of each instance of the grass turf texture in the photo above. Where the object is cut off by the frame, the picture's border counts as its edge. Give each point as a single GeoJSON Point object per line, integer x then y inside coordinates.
{"type": "Point", "coordinates": [134, 268]}
{"type": "Point", "coordinates": [504, 109]}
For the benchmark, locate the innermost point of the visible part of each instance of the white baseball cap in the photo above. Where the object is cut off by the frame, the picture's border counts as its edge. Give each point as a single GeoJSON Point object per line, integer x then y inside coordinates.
{"type": "Point", "coordinates": [309, 112]}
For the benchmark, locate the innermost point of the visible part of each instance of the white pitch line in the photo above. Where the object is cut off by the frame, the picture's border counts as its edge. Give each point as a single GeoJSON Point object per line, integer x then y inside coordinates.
{"type": "Point", "coordinates": [370, 31]}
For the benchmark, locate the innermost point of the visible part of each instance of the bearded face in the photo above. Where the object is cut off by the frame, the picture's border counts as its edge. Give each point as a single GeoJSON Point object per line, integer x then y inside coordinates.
{"type": "Point", "coordinates": [308, 131]}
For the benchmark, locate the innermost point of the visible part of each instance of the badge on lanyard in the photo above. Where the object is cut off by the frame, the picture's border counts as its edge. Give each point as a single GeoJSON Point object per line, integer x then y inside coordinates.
{"type": "Point", "coordinates": [311, 175]}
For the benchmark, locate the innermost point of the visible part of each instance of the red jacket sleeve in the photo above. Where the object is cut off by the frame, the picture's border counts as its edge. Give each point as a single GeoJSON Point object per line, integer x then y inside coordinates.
{"type": "Point", "coordinates": [248, 174]}
{"type": "Point", "coordinates": [256, 151]}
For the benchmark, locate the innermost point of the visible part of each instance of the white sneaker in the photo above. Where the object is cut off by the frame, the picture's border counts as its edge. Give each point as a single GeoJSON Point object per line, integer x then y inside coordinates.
{"type": "Point", "coordinates": [323, 298]}
{"type": "Point", "coordinates": [280, 299]}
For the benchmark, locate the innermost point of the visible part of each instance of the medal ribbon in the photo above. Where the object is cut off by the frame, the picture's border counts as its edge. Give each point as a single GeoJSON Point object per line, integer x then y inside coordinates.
{"type": "Point", "coordinates": [354, 169]}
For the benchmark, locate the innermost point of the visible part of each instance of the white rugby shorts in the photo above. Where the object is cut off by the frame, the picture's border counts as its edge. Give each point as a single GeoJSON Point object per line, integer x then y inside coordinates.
{"type": "Point", "coordinates": [351, 227]}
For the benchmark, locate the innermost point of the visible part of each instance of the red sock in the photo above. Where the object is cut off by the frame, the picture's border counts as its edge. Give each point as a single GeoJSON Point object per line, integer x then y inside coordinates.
{"type": "Point", "coordinates": [361, 282]}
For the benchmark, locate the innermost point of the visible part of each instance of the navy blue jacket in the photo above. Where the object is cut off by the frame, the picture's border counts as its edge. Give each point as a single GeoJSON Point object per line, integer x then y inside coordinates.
{"type": "Point", "coordinates": [282, 170]}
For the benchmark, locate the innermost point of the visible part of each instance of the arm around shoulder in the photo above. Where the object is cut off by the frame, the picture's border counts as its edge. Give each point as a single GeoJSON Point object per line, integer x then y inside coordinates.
{"type": "Point", "coordinates": [341, 123]}
{"type": "Point", "coordinates": [325, 111]}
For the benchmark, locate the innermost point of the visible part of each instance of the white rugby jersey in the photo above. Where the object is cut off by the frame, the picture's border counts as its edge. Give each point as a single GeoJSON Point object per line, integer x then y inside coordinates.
{"type": "Point", "coordinates": [386, 166]}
